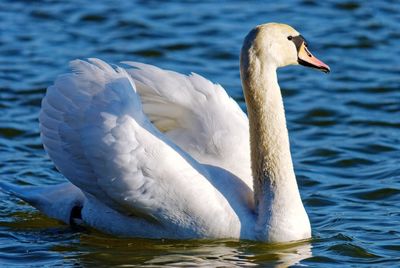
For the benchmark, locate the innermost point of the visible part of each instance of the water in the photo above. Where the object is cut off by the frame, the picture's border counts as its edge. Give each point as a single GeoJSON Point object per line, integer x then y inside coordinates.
{"type": "Point", "coordinates": [344, 127]}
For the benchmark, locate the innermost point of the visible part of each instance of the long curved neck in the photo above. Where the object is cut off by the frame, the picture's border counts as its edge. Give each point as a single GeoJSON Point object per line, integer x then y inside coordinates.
{"type": "Point", "coordinates": [270, 150]}
{"type": "Point", "coordinates": [275, 188]}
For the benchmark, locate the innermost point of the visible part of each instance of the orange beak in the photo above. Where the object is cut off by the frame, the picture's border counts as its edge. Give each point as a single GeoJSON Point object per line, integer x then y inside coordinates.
{"type": "Point", "coordinates": [307, 59]}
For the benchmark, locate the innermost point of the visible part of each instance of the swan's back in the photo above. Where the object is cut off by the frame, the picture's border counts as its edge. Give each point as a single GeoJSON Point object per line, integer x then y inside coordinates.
{"type": "Point", "coordinates": [197, 115]}
{"type": "Point", "coordinates": [94, 129]}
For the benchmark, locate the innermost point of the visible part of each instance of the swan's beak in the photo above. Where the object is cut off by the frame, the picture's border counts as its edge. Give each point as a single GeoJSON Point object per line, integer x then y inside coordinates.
{"type": "Point", "coordinates": [307, 59]}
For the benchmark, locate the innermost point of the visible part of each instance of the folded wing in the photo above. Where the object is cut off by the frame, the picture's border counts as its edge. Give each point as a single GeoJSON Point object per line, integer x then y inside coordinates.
{"type": "Point", "coordinates": [94, 129]}
{"type": "Point", "coordinates": [197, 115]}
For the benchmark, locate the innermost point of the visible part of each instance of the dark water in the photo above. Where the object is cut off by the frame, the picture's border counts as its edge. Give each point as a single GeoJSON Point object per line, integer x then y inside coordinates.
{"type": "Point", "coordinates": [344, 127]}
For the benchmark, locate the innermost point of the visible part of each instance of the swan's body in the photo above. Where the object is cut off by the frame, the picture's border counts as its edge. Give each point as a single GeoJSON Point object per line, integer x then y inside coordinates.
{"type": "Point", "coordinates": [153, 153]}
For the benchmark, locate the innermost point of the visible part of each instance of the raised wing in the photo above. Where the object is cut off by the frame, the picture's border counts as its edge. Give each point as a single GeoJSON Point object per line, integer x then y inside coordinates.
{"type": "Point", "coordinates": [197, 115]}
{"type": "Point", "coordinates": [94, 130]}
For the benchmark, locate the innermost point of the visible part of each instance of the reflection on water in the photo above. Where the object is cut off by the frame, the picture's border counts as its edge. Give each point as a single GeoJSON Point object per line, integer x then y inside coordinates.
{"type": "Point", "coordinates": [189, 253]}
{"type": "Point", "coordinates": [344, 127]}
{"type": "Point", "coordinates": [90, 248]}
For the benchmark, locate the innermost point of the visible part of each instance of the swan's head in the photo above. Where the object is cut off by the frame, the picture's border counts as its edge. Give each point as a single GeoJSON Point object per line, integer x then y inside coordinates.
{"type": "Point", "coordinates": [281, 45]}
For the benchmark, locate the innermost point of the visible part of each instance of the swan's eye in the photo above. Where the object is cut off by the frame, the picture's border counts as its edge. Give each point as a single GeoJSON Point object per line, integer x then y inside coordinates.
{"type": "Point", "coordinates": [290, 37]}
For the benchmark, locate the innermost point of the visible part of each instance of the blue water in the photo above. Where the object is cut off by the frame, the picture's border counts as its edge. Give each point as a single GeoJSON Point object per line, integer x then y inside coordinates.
{"type": "Point", "coordinates": [344, 127]}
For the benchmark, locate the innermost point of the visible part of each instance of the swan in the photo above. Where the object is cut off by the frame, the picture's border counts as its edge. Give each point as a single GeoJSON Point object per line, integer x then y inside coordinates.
{"type": "Point", "coordinates": [156, 154]}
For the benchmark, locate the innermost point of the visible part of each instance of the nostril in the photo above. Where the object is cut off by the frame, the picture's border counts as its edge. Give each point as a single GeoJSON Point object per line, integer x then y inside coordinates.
{"type": "Point", "coordinates": [308, 52]}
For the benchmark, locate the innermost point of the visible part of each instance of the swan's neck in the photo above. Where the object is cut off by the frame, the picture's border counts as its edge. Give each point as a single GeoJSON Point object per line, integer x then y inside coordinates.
{"type": "Point", "coordinates": [276, 194]}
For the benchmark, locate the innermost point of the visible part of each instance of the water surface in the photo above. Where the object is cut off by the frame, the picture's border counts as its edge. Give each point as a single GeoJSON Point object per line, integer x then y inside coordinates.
{"type": "Point", "coordinates": [344, 127]}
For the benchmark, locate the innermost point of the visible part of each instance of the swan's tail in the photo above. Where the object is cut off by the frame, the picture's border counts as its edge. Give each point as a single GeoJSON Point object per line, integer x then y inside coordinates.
{"type": "Point", "coordinates": [62, 201]}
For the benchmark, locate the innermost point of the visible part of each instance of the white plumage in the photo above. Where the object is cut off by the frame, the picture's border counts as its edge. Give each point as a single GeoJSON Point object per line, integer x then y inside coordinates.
{"type": "Point", "coordinates": [94, 129]}
{"type": "Point", "coordinates": [154, 153]}
{"type": "Point", "coordinates": [193, 112]}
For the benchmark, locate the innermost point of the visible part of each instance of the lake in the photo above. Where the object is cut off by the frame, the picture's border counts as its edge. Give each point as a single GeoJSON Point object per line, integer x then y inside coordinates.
{"type": "Point", "coordinates": [344, 127]}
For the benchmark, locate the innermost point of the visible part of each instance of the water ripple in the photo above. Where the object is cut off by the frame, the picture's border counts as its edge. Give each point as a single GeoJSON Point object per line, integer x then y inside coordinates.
{"type": "Point", "coordinates": [344, 128]}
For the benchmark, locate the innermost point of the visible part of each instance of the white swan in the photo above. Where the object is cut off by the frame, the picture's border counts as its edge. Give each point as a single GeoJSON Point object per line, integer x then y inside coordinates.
{"type": "Point", "coordinates": [153, 153]}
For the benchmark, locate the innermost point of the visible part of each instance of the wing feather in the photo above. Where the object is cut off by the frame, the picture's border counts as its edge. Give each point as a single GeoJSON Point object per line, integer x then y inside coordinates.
{"type": "Point", "coordinates": [197, 115]}
{"type": "Point", "coordinates": [95, 131]}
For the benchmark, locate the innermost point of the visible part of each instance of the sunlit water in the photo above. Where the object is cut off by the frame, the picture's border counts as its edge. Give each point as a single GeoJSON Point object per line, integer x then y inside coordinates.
{"type": "Point", "coordinates": [344, 127]}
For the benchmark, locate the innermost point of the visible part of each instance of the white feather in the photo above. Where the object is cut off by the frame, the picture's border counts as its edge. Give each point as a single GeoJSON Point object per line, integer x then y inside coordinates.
{"type": "Point", "coordinates": [95, 131]}
{"type": "Point", "coordinates": [153, 153]}
{"type": "Point", "coordinates": [197, 115]}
